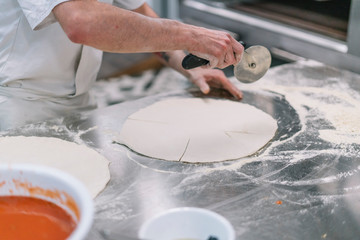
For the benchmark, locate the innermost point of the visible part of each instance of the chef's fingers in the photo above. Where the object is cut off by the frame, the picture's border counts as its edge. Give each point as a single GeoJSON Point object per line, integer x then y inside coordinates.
{"type": "Point", "coordinates": [231, 88]}
{"type": "Point", "coordinates": [228, 59]}
{"type": "Point", "coordinates": [203, 85]}
{"type": "Point", "coordinates": [238, 51]}
{"type": "Point", "coordinates": [213, 62]}
{"type": "Point", "coordinates": [218, 77]}
{"type": "Point", "coordinates": [232, 54]}
{"type": "Point", "coordinates": [206, 78]}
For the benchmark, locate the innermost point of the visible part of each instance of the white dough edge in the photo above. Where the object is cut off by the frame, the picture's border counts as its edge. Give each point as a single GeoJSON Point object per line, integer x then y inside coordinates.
{"type": "Point", "coordinates": [80, 161]}
{"type": "Point", "coordinates": [146, 131]}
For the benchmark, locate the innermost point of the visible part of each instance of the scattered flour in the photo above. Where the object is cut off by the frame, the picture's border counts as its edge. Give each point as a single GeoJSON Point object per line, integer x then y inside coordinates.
{"type": "Point", "coordinates": [336, 103]}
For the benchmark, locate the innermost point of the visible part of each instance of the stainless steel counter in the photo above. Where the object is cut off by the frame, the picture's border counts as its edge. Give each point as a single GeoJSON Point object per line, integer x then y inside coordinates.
{"type": "Point", "coordinates": [298, 187]}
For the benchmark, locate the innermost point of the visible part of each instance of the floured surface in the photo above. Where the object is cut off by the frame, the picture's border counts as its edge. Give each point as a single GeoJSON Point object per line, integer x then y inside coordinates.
{"type": "Point", "coordinates": [316, 181]}
{"type": "Point", "coordinates": [78, 160]}
{"type": "Point", "coordinates": [299, 178]}
{"type": "Point", "coordinates": [334, 103]}
{"type": "Point", "coordinates": [197, 130]}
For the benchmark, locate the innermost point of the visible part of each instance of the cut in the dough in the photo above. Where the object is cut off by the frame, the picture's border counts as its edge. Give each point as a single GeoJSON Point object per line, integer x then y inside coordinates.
{"type": "Point", "coordinates": [197, 130]}
{"type": "Point", "coordinates": [84, 163]}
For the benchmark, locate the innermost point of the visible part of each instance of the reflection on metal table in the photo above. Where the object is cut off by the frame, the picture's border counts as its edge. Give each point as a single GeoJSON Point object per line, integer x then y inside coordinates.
{"type": "Point", "coordinates": [305, 184]}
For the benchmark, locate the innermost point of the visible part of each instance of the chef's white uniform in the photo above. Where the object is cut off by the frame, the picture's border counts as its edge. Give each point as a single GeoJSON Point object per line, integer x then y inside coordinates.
{"type": "Point", "coordinates": [42, 73]}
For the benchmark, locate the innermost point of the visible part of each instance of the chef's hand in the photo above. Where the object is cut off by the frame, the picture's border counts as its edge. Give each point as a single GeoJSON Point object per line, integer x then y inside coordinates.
{"type": "Point", "coordinates": [212, 78]}
{"type": "Point", "coordinates": [218, 47]}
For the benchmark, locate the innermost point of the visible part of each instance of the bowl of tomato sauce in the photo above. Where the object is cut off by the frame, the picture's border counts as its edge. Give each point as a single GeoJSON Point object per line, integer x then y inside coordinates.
{"type": "Point", "coordinates": [43, 203]}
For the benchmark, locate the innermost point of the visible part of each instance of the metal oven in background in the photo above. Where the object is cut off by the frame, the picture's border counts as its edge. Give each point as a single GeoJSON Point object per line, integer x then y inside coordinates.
{"type": "Point", "coordinates": [323, 30]}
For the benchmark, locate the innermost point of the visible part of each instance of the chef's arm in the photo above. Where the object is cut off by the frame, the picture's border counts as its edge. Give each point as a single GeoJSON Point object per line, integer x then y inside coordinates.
{"type": "Point", "coordinates": [169, 58]}
{"type": "Point", "coordinates": [113, 29]}
{"type": "Point", "coordinates": [199, 76]}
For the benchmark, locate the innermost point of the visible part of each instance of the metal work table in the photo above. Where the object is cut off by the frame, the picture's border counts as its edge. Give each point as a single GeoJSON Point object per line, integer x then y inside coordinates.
{"type": "Point", "coordinates": [298, 187]}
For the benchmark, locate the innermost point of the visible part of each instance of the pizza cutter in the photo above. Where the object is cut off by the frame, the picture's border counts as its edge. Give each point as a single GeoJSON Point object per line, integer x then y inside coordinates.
{"type": "Point", "coordinates": [254, 64]}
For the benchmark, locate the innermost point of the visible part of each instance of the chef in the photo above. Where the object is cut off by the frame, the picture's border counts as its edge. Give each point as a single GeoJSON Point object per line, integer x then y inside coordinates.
{"type": "Point", "coordinates": [51, 50]}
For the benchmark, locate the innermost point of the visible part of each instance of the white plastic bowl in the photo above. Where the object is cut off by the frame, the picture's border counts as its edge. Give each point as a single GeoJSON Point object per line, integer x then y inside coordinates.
{"type": "Point", "coordinates": [187, 223]}
{"type": "Point", "coordinates": [52, 185]}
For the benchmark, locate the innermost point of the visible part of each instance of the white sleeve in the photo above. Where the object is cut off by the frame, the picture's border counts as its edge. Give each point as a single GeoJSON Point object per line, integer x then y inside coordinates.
{"type": "Point", "coordinates": [39, 13]}
{"type": "Point", "coordinates": [129, 4]}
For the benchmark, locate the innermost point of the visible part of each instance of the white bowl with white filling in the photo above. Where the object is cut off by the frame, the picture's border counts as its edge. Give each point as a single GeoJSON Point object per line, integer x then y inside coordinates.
{"type": "Point", "coordinates": [187, 223]}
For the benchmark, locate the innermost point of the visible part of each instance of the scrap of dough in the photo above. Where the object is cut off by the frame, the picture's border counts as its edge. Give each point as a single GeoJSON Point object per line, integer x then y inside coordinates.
{"type": "Point", "coordinates": [82, 162]}
{"type": "Point", "coordinates": [197, 130]}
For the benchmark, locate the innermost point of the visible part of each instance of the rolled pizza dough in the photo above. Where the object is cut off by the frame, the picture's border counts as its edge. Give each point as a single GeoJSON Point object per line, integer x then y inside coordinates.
{"type": "Point", "coordinates": [84, 163]}
{"type": "Point", "coordinates": [197, 130]}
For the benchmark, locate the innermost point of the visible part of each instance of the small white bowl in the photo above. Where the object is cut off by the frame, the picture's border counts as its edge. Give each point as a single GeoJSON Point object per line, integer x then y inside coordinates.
{"type": "Point", "coordinates": [52, 185]}
{"type": "Point", "coordinates": [187, 223]}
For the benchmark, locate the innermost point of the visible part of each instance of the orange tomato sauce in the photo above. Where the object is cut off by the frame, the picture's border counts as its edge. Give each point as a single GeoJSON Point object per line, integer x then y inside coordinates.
{"type": "Point", "coordinates": [29, 218]}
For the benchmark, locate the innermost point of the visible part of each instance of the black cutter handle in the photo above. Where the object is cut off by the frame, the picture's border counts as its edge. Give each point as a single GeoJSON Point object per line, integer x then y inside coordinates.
{"type": "Point", "coordinates": [191, 61]}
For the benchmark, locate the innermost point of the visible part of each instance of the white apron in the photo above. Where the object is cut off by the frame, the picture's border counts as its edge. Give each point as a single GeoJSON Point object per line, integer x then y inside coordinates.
{"type": "Point", "coordinates": [20, 106]}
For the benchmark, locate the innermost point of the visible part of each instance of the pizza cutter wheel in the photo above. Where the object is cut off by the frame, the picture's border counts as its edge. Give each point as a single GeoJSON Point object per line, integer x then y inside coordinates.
{"type": "Point", "coordinates": [254, 64]}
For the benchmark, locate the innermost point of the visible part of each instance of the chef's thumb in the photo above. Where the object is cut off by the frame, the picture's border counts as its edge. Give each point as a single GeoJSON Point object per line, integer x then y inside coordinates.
{"type": "Point", "coordinates": [213, 61]}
